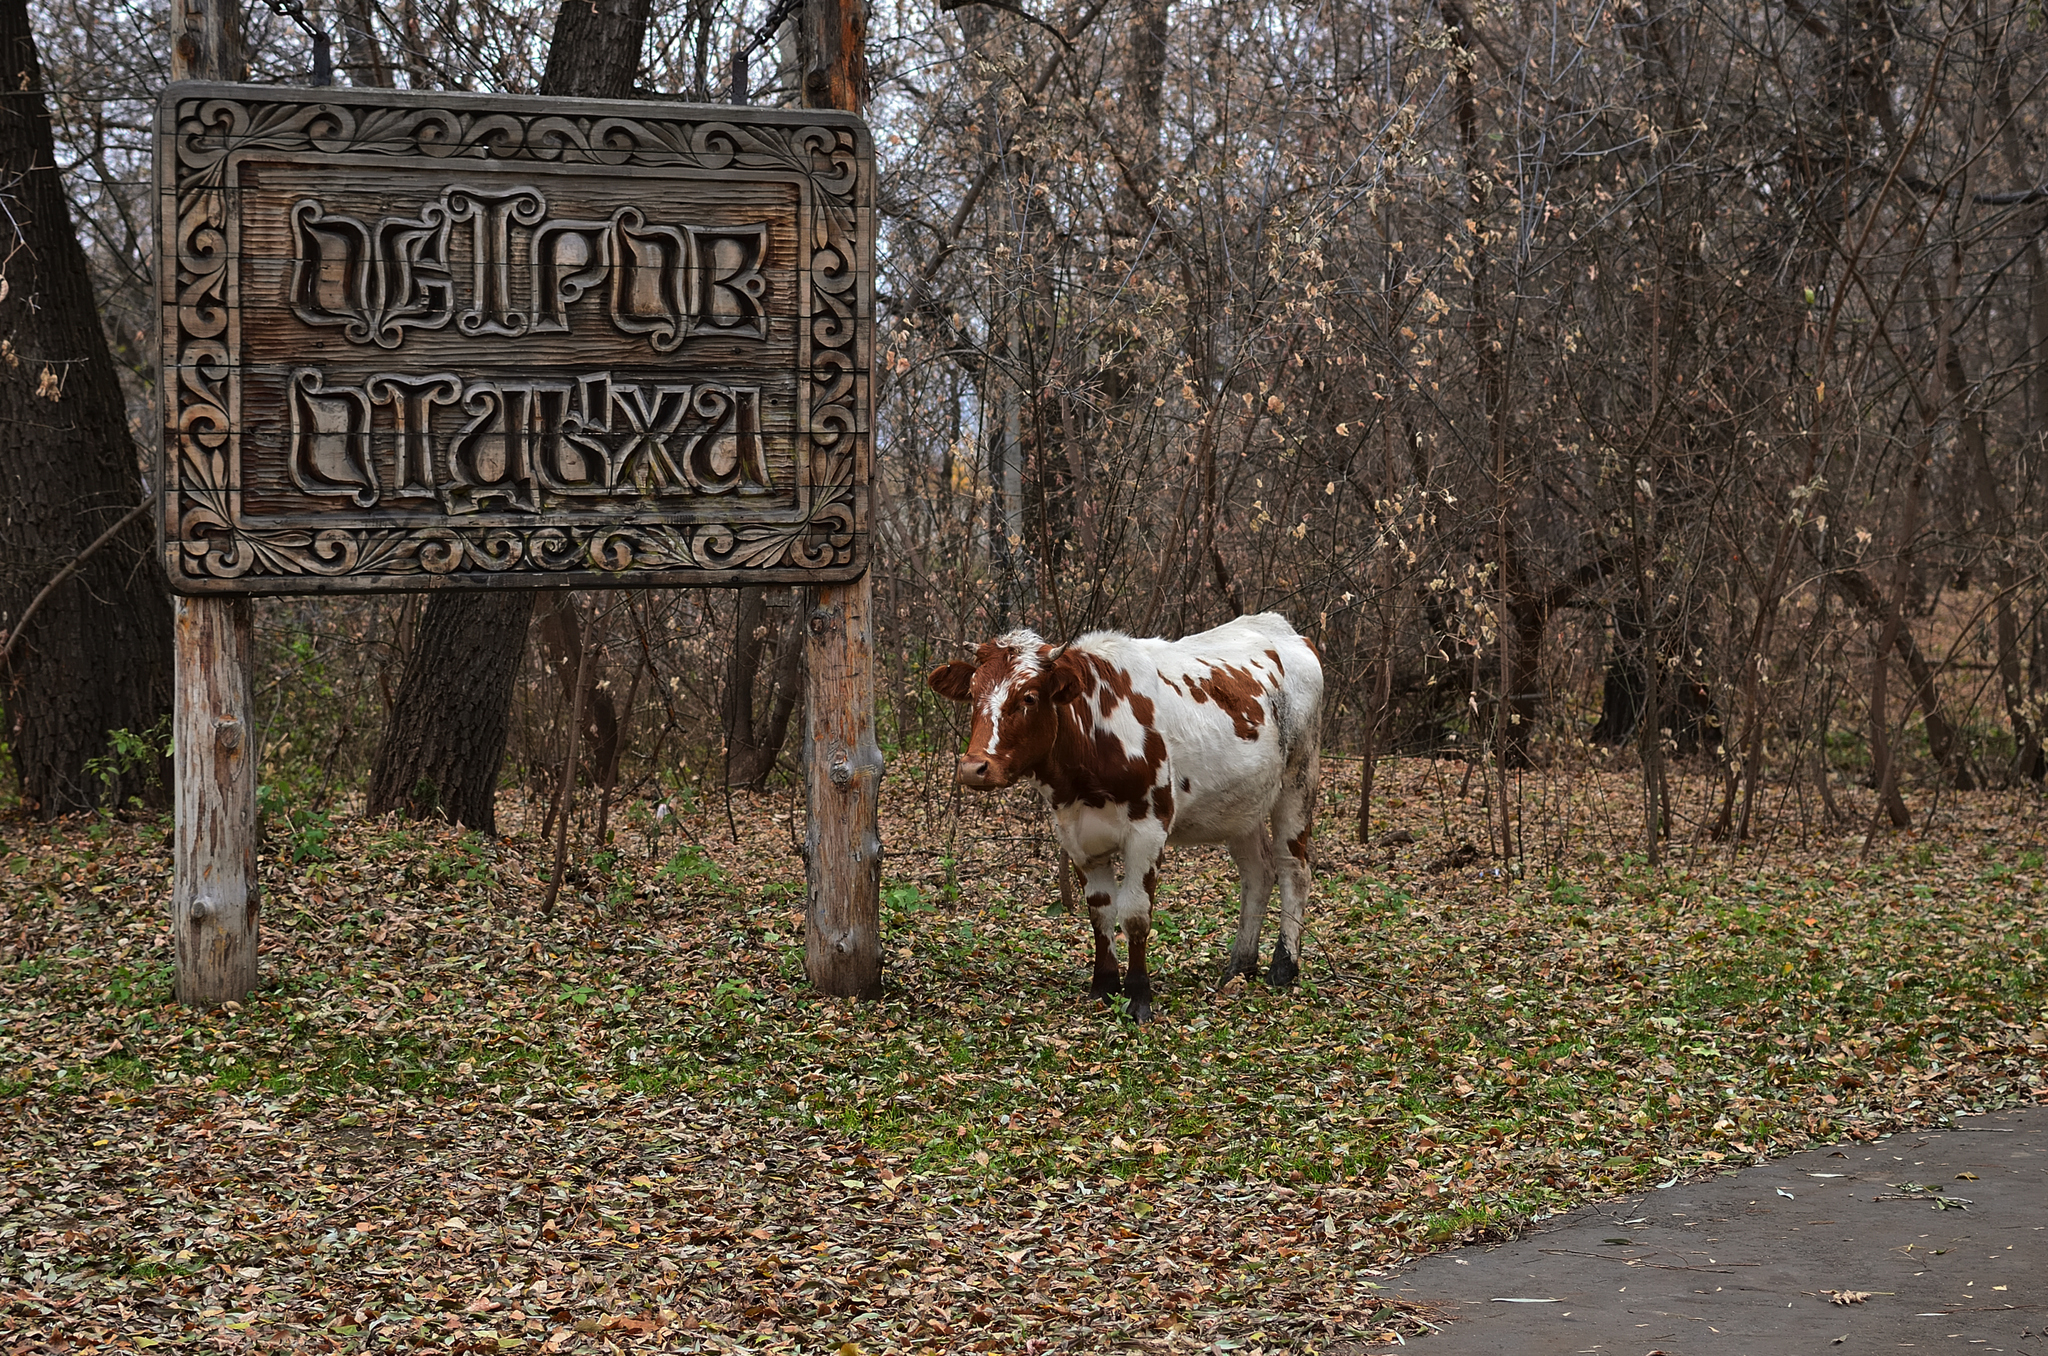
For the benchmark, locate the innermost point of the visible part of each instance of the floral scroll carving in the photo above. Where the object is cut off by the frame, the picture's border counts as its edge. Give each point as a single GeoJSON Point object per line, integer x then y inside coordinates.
{"type": "Point", "coordinates": [420, 341]}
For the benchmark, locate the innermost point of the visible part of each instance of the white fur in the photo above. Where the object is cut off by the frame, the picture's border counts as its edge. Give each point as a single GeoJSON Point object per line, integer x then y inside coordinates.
{"type": "Point", "coordinates": [1246, 793]}
{"type": "Point", "coordinates": [1025, 664]}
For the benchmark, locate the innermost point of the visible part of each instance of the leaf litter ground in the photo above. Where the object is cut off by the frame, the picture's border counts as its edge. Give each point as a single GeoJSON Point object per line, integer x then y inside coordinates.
{"type": "Point", "coordinates": [446, 1124]}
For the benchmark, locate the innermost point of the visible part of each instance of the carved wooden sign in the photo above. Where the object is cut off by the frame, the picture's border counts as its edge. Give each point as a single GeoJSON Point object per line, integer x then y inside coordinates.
{"type": "Point", "coordinates": [422, 341]}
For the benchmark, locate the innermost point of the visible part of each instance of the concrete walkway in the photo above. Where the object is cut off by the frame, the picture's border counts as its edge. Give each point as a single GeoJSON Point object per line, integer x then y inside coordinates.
{"type": "Point", "coordinates": [1944, 1231]}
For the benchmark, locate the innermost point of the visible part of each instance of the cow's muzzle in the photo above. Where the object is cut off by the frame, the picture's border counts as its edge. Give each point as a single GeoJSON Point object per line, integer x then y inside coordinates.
{"type": "Point", "coordinates": [978, 772]}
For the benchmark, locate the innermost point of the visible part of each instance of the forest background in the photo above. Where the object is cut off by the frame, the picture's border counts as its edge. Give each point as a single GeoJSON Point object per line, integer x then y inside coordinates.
{"type": "Point", "coordinates": [1547, 364]}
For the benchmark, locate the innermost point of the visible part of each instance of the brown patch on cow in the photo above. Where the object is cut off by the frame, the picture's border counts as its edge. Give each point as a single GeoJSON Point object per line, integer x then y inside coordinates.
{"type": "Point", "coordinates": [1186, 785]}
{"type": "Point", "coordinates": [1108, 700]}
{"type": "Point", "coordinates": [1170, 683]}
{"type": "Point", "coordinates": [1083, 764]}
{"type": "Point", "coordinates": [1313, 648]}
{"type": "Point", "coordinates": [1236, 693]}
{"type": "Point", "coordinates": [1111, 677]}
{"type": "Point", "coordinates": [1098, 901]}
{"type": "Point", "coordinates": [1297, 846]}
{"type": "Point", "coordinates": [1278, 667]}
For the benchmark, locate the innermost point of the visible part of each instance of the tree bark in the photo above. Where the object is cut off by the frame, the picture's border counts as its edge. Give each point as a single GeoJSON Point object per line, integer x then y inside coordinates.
{"type": "Point", "coordinates": [753, 743]}
{"type": "Point", "coordinates": [446, 741]}
{"type": "Point", "coordinates": [97, 655]}
{"type": "Point", "coordinates": [565, 785]}
{"type": "Point", "coordinates": [446, 738]}
{"type": "Point", "coordinates": [1884, 765]}
{"type": "Point", "coordinates": [1753, 660]}
{"type": "Point", "coordinates": [595, 52]}
{"type": "Point", "coordinates": [1974, 443]}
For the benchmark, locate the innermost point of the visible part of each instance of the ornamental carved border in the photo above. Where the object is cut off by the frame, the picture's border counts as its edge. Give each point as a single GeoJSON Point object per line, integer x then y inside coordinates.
{"type": "Point", "coordinates": [440, 340]}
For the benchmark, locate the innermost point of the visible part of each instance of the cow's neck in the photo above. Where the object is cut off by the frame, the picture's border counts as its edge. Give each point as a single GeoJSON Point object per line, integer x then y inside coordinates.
{"type": "Point", "coordinates": [1055, 773]}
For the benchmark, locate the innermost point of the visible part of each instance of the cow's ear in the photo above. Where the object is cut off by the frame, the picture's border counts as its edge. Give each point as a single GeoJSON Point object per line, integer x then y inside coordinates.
{"type": "Point", "coordinates": [1065, 683]}
{"type": "Point", "coordinates": [955, 680]}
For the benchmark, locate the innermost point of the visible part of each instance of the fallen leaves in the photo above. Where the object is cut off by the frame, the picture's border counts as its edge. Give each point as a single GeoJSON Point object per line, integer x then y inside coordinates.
{"type": "Point", "coordinates": [1846, 1296]}
{"type": "Point", "coordinates": [445, 1122]}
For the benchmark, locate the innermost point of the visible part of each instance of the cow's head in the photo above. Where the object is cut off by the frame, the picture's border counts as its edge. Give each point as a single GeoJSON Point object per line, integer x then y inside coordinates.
{"type": "Point", "coordinates": [1016, 685]}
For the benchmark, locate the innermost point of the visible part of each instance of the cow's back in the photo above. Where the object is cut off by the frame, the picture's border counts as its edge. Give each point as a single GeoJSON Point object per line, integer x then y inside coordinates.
{"type": "Point", "coordinates": [1231, 703]}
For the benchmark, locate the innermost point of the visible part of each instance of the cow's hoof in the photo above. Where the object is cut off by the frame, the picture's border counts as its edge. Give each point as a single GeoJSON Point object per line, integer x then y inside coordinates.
{"type": "Point", "coordinates": [1106, 987]}
{"type": "Point", "coordinates": [1249, 965]}
{"type": "Point", "coordinates": [1141, 1010]}
{"type": "Point", "coordinates": [1284, 971]}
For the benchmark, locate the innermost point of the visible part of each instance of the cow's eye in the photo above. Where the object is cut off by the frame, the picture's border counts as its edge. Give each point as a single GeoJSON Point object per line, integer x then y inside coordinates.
{"type": "Point", "coordinates": [1030, 699]}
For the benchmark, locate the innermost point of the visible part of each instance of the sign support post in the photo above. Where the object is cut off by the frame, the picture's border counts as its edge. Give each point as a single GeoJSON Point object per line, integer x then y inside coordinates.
{"type": "Point", "coordinates": [842, 763]}
{"type": "Point", "coordinates": [445, 340]}
{"type": "Point", "coordinates": [215, 758]}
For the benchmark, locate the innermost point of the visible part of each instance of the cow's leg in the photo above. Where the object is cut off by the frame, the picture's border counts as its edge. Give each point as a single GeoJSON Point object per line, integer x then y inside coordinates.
{"type": "Point", "coordinates": [1137, 932]}
{"type": "Point", "coordinates": [1253, 853]}
{"type": "Point", "coordinates": [1134, 911]}
{"type": "Point", "coordinates": [1293, 817]}
{"type": "Point", "coordinates": [1102, 915]}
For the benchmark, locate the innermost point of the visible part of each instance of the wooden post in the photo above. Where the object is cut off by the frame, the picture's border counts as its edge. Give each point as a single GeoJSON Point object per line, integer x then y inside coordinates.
{"type": "Point", "coordinates": [843, 781]}
{"type": "Point", "coordinates": [213, 896]}
{"type": "Point", "coordinates": [842, 763]}
{"type": "Point", "coordinates": [215, 763]}
{"type": "Point", "coordinates": [206, 40]}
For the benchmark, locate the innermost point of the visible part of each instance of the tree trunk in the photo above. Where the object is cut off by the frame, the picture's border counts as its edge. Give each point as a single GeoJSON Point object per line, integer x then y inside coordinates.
{"type": "Point", "coordinates": [362, 54]}
{"type": "Point", "coordinates": [1975, 445]}
{"type": "Point", "coordinates": [595, 52]}
{"type": "Point", "coordinates": [441, 752]}
{"type": "Point", "coordinates": [97, 655]}
{"type": "Point", "coordinates": [1528, 617]}
{"type": "Point", "coordinates": [1884, 767]}
{"type": "Point", "coordinates": [561, 636]}
{"type": "Point", "coordinates": [446, 738]}
{"type": "Point", "coordinates": [1625, 689]}
{"type": "Point", "coordinates": [752, 742]}
{"type": "Point", "coordinates": [1942, 740]}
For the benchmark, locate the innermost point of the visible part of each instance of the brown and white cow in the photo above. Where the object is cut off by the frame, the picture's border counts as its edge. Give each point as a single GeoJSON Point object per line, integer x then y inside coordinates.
{"type": "Point", "coordinates": [1135, 744]}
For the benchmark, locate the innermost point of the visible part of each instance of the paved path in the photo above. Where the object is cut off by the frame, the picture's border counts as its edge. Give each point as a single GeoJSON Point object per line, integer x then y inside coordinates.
{"type": "Point", "coordinates": [1742, 1264]}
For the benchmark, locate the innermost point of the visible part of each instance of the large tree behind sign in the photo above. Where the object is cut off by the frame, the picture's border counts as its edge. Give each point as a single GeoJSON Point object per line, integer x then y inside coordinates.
{"type": "Point", "coordinates": [96, 655]}
{"type": "Point", "coordinates": [446, 740]}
